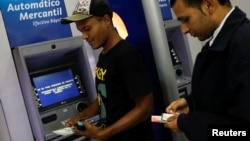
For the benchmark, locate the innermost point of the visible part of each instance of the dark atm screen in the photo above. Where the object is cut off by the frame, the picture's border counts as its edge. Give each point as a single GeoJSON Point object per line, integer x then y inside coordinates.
{"type": "Point", "coordinates": [55, 87]}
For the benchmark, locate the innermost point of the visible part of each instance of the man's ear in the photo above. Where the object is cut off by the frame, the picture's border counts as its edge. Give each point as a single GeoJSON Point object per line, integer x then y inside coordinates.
{"type": "Point", "coordinates": [107, 19]}
{"type": "Point", "coordinates": [209, 5]}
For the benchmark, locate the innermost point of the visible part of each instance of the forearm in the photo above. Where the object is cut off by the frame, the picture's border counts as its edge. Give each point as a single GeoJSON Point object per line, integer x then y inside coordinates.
{"type": "Point", "coordinates": [139, 113]}
{"type": "Point", "coordinates": [90, 111]}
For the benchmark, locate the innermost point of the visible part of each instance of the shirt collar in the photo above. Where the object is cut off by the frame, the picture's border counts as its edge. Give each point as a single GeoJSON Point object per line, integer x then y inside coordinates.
{"type": "Point", "coordinates": [216, 32]}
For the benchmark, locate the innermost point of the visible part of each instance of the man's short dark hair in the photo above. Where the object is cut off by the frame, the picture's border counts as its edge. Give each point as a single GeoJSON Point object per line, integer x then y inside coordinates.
{"type": "Point", "coordinates": [197, 3]}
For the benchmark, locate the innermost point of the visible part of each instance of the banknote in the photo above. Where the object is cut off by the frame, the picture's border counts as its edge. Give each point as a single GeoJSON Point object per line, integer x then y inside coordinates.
{"type": "Point", "coordinates": [64, 131]}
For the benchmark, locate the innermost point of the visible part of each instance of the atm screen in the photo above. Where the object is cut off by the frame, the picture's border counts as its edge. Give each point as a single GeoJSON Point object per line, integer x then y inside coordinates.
{"type": "Point", "coordinates": [55, 88]}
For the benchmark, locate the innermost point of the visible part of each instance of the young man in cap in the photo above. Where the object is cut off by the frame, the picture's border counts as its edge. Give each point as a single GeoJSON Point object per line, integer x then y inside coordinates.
{"type": "Point", "coordinates": [124, 102]}
{"type": "Point", "coordinates": [219, 101]}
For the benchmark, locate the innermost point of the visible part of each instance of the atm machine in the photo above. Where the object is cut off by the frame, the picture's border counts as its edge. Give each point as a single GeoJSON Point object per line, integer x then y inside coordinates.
{"type": "Point", "coordinates": [56, 82]}
{"type": "Point", "coordinates": [171, 54]}
{"type": "Point", "coordinates": [180, 56]}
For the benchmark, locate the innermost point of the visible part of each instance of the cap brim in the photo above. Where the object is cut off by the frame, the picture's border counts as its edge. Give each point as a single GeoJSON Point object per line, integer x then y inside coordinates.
{"type": "Point", "coordinates": [74, 18]}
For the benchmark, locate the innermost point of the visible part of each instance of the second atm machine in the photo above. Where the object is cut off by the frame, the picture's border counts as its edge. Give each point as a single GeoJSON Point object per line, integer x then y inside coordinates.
{"type": "Point", "coordinates": [180, 56]}
{"type": "Point", "coordinates": [56, 82]}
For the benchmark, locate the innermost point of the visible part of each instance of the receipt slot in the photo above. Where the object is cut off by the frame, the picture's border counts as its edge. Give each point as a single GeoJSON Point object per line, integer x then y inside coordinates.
{"type": "Point", "coordinates": [56, 82]}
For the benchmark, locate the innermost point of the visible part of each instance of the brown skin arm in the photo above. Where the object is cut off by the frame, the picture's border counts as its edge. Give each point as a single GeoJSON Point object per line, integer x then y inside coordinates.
{"type": "Point", "coordinates": [142, 110]}
{"type": "Point", "coordinates": [88, 112]}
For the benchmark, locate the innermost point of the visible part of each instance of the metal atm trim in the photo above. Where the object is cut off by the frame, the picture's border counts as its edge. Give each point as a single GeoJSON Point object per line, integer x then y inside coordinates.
{"type": "Point", "coordinates": [4, 129]}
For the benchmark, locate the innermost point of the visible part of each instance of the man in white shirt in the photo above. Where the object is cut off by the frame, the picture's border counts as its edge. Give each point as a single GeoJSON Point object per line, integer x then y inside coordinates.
{"type": "Point", "coordinates": [220, 82]}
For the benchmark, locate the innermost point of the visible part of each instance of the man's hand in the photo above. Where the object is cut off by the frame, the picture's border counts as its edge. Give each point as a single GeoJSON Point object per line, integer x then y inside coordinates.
{"type": "Point", "coordinates": [172, 123]}
{"type": "Point", "coordinates": [178, 106]}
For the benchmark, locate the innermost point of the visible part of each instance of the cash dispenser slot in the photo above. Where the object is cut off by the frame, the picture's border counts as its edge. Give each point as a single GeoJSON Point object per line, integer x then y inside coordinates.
{"type": "Point", "coordinates": [49, 119]}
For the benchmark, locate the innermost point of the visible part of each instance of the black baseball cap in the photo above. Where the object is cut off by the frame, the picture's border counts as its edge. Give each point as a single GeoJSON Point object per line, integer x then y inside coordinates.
{"type": "Point", "coordinates": [88, 8]}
